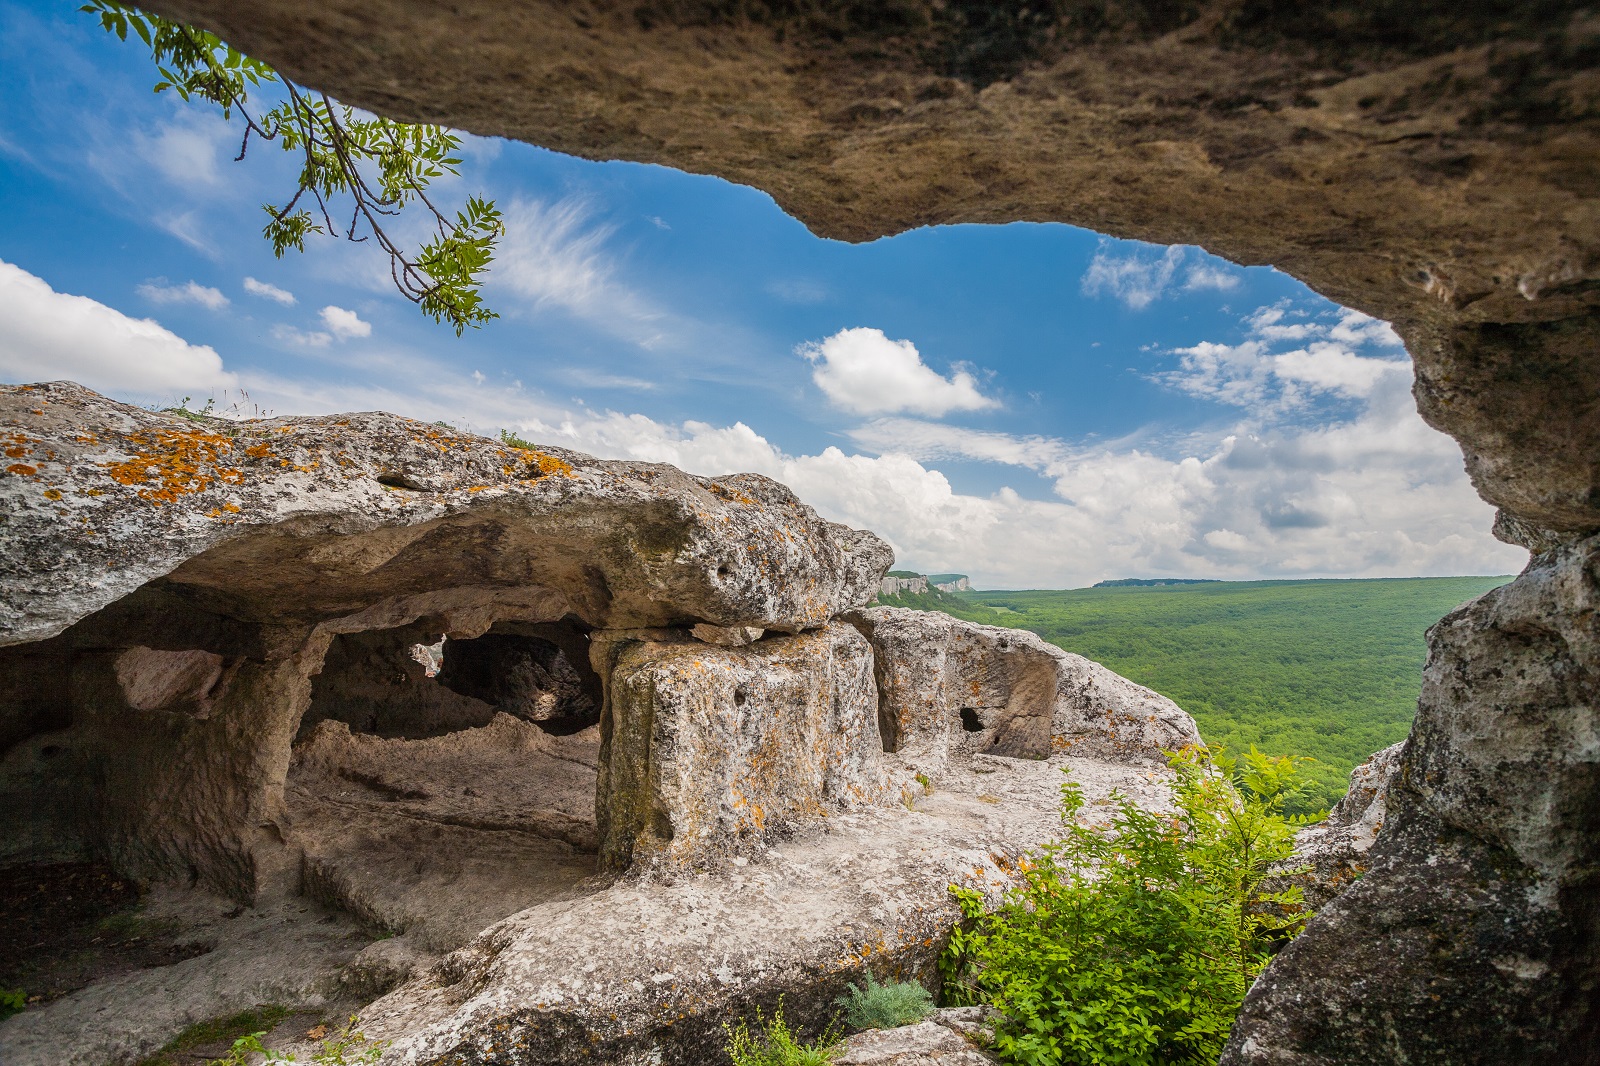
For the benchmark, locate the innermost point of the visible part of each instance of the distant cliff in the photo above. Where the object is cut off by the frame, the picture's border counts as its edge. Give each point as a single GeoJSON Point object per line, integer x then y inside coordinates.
{"type": "Point", "coordinates": [898, 582]}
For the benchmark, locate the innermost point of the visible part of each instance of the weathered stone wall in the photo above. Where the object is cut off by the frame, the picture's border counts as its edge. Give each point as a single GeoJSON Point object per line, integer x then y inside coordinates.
{"type": "Point", "coordinates": [711, 752]}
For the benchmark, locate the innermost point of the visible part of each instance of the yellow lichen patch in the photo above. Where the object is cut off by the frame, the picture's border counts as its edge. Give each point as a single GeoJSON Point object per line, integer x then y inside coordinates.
{"type": "Point", "coordinates": [545, 464]}
{"type": "Point", "coordinates": [178, 462]}
{"type": "Point", "coordinates": [731, 494]}
{"type": "Point", "coordinates": [52, 494]}
{"type": "Point", "coordinates": [22, 470]}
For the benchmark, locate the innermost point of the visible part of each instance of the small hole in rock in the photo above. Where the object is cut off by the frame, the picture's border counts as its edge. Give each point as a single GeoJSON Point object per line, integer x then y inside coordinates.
{"type": "Point", "coordinates": [723, 570]}
{"type": "Point", "coordinates": [49, 751]}
{"type": "Point", "coordinates": [740, 694]}
{"type": "Point", "coordinates": [970, 720]}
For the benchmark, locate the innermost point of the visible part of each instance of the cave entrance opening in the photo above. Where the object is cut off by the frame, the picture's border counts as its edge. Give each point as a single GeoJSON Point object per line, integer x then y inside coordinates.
{"type": "Point", "coordinates": [438, 784]}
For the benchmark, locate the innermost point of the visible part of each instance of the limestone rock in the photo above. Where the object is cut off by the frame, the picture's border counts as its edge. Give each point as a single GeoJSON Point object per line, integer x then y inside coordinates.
{"type": "Point", "coordinates": [726, 636]}
{"type": "Point", "coordinates": [713, 751]}
{"type": "Point", "coordinates": [646, 969]}
{"type": "Point", "coordinates": [1473, 937]}
{"type": "Point", "coordinates": [924, 1044]}
{"type": "Point", "coordinates": [298, 520]}
{"type": "Point", "coordinates": [944, 682]}
{"type": "Point", "coordinates": [1333, 852]}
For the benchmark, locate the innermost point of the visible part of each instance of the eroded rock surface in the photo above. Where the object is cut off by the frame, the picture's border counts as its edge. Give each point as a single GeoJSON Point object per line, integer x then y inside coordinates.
{"type": "Point", "coordinates": [299, 520]}
{"type": "Point", "coordinates": [1331, 854]}
{"type": "Point", "coordinates": [648, 969]}
{"type": "Point", "coordinates": [1472, 937]}
{"type": "Point", "coordinates": [944, 683]}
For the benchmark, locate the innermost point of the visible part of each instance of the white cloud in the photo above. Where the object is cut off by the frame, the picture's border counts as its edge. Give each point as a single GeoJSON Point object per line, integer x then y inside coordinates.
{"type": "Point", "coordinates": [1137, 277]}
{"type": "Point", "coordinates": [187, 149]}
{"type": "Point", "coordinates": [551, 254]}
{"type": "Point", "coordinates": [1207, 275]}
{"type": "Point", "coordinates": [269, 291]}
{"type": "Point", "coordinates": [1268, 323]}
{"type": "Point", "coordinates": [344, 324]}
{"type": "Point", "coordinates": [1356, 328]}
{"type": "Point", "coordinates": [1139, 274]}
{"type": "Point", "coordinates": [47, 335]}
{"type": "Point", "coordinates": [1252, 376]}
{"type": "Point", "coordinates": [864, 372]}
{"type": "Point", "coordinates": [1328, 367]}
{"type": "Point", "coordinates": [300, 338]}
{"type": "Point", "coordinates": [192, 292]}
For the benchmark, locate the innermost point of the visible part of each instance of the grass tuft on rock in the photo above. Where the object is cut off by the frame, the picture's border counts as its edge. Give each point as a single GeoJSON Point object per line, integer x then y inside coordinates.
{"type": "Point", "coordinates": [875, 1006]}
{"type": "Point", "coordinates": [218, 1031]}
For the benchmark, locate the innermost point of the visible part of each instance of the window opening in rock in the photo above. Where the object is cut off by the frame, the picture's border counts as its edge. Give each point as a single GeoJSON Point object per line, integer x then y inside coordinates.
{"type": "Point", "coordinates": [538, 672]}
{"type": "Point", "coordinates": [970, 720]}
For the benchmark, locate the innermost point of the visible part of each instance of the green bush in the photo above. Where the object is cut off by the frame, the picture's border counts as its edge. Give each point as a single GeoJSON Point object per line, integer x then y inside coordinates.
{"type": "Point", "coordinates": [12, 1001]}
{"type": "Point", "coordinates": [775, 1044]}
{"type": "Point", "coordinates": [1133, 943]}
{"type": "Point", "coordinates": [875, 1006]}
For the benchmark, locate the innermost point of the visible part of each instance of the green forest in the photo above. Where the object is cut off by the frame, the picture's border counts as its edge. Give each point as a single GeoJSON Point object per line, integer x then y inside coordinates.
{"type": "Point", "coordinates": [1326, 669]}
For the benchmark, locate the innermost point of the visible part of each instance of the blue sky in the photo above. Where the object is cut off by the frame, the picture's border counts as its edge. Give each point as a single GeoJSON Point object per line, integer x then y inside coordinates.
{"type": "Point", "coordinates": [1035, 405]}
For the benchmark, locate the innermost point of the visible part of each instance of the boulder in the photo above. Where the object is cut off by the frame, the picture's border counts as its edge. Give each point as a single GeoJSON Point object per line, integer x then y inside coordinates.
{"type": "Point", "coordinates": [943, 683]}
{"type": "Point", "coordinates": [300, 520]}
{"type": "Point", "coordinates": [180, 598]}
{"type": "Point", "coordinates": [713, 751]}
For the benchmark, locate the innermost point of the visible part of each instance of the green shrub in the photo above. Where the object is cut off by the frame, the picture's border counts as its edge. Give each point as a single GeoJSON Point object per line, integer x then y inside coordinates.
{"type": "Point", "coordinates": [875, 1006]}
{"type": "Point", "coordinates": [12, 1001]}
{"type": "Point", "coordinates": [775, 1044]}
{"type": "Point", "coordinates": [1135, 946]}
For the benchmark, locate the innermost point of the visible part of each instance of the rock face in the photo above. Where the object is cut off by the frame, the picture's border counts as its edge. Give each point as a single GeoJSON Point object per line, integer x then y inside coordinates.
{"type": "Point", "coordinates": [1434, 168]}
{"type": "Point", "coordinates": [1475, 906]}
{"type": "Point", "coordinates": [894, 586]}
{"type": "Point", "coordinates": [941, 1040]}
{"type": "Point", "coordinates": [944, 683]}
{"type": "Point", "coordinates": [1334, 851]}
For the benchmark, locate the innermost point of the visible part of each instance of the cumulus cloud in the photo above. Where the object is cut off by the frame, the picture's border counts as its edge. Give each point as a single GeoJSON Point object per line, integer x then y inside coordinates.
{"type": "Point", "coordinates": [1210, 275]}
{"type": "Point", "coordinates": [268, 291]}
{"type": "Point", "coordinates": [47, 335]}
{"type": "Point", "coordinates": [1139, 274]}
{"type": "Point", "coordinates": [864, 372]}
{"type": "Point", "coordinates": [344, 324]}
{"type": "Point", "coordinates": [157, 291]}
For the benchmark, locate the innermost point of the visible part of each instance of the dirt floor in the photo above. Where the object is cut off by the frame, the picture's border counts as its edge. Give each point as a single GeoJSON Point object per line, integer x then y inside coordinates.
{"type": "Point", "coordinates": [64, 926]}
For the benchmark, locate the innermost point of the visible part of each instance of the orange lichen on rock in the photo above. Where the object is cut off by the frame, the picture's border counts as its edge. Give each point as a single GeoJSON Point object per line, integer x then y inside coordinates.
{"type": "Point", "coordinates": [22, 470]}
{"type": "Point", "coordinates": [179, 462]}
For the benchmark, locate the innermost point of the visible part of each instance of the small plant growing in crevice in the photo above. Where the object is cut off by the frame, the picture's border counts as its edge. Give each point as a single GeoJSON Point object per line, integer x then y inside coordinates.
{"type": "Point", "coordinates": [874, 1006]}
{"type": "Point", "coordinates": [343, 1047]}
{"type": "Point", "coordinates": [774, 1044]}
{"type": "Point", "coordinates": [12, 1001]}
